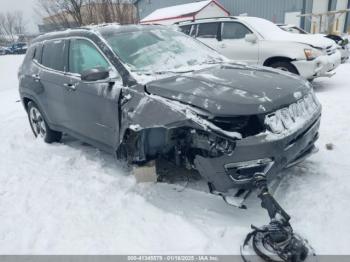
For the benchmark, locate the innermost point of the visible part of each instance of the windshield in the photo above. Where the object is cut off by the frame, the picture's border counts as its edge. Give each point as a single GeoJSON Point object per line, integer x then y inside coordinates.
{"type": "Point", "coordinates": [159, 50]}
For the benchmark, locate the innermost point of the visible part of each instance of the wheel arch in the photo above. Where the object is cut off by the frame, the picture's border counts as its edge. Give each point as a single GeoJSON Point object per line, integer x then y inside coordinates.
{"type": "Point", "coordinates": [269, 61]}
{"type": "Point", "coordinates": [25, 101]}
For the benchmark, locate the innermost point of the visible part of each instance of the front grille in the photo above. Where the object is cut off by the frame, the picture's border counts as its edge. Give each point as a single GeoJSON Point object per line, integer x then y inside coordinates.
{"type": "Point", "coordinates": [330, 50]}
{"type": "Point", "coordinates": [294, 116]}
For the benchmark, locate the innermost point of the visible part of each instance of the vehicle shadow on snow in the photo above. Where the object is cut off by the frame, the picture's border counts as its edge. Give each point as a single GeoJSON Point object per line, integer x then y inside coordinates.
{"type": "Point", "coordinates": [190, 198]}
{"type": "Point", "coordinates": [323, 85]}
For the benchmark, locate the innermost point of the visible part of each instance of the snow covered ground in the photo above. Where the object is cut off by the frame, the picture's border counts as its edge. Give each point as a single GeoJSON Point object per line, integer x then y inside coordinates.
{"type": "Point", "coordinates": [70, 198]}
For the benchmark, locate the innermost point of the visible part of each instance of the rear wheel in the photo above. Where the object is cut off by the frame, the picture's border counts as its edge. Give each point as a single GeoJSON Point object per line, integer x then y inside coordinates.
{"type": "Point", "coordinates": [285, 66]}
{"type": "Point", "coordinates": [39, 125]}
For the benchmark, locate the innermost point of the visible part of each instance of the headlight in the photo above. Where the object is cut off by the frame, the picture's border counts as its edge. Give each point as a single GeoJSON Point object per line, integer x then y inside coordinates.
{"type": "Point", "coordinates": [311, 54]}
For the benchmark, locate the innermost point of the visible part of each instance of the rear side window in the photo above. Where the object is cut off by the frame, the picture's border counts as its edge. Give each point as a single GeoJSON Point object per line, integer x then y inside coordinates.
{"type": "Point", "coordinates": [54, 55]}
{"type": "Point", "coordinates": [208, 30]}
{"type": "Point", "coordinates": [186, 29]}
{"type": "Point", "coordinates": [30, 54]}
{"type": "Point", "coordinates": [83, 55]}
{"type": "Point", "coordinates": [38, 53]}
{"type": "Point", "coordinates": [234, 30]}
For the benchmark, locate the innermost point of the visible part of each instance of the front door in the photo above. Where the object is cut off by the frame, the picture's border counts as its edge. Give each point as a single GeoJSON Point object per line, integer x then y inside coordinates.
{"type": "Point", "coordinates": [92, 106]}
{"type": "Point", "coordinates": [208, 33]}
{"type": "Point", "coordinates": [234, 46]}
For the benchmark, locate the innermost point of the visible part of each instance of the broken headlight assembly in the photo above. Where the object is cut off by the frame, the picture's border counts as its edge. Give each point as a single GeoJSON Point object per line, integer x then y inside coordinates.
{"type": "Point", "coordinates": [292, 117]}
{"type": "Point", "coordinates": [212, 144]}
{"type": "Point", "coordinates": [312, 53]}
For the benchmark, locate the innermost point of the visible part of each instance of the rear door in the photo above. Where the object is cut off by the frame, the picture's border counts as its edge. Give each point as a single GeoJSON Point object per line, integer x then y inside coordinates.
{"type": "Point", "coordinates": [52, 76]}
{"type": "Point", "coordinates": [92, 106]}
{"type": "Point", "coordinates": [234, 46]}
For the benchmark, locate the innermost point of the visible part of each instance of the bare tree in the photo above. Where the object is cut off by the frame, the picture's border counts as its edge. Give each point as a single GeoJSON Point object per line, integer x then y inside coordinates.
{"type": "Point", "coordinates": [62, 13]}
{"type": "Point", "coordinates": [72, 13]}
{"type": "Point", "coordinates": [12, 25]}
{"type": "Point", "coordinates": [72, 7]}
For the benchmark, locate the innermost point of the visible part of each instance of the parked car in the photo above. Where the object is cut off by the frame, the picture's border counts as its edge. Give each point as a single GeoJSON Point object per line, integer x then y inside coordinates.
{"type": "Point", "coordinates": [342, 43]}
{"type": "Point", "coordinates": [17, 49]}
{"type": "Point", "coordinates": [258, 41]}
{"type": "Point", "coordinates": [2, 50]}
{"type": "Point", "coordinates": [149, 92]}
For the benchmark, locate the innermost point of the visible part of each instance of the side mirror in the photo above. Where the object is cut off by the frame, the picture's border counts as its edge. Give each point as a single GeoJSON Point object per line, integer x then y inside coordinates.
{"type": "Point", "coordinates": [95, 74]}
{"type": "Point", "coordinates": [251, 38]}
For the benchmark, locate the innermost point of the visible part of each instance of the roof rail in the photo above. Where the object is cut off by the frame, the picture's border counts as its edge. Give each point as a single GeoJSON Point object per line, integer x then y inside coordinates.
{"type": "Point", "coordinates": [200, 19]}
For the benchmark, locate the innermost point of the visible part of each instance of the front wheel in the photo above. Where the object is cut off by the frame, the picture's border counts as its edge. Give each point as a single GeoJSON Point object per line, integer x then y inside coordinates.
{"type": "Point", "coordinates": [39, 125]}
{"type": "Point", "coordinates": [285, 66]}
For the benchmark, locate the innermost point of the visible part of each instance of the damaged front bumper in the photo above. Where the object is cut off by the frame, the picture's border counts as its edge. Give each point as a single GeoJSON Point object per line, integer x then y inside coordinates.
{"type": "Point", "coordinates": [258, 154]}
{"type": "Point", "coordinates": [322, 66]}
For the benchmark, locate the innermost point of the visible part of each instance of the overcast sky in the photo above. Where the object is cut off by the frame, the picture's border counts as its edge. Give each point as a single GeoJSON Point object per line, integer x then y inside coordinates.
{"type": "Point", "coordinates": [26, 6]}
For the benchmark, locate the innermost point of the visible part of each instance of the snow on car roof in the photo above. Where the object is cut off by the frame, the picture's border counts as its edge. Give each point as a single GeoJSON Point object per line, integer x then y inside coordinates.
{"type": "Point", "coordinates": [176, 11]}
{"type": "Point", "coordinates": [264, 27]}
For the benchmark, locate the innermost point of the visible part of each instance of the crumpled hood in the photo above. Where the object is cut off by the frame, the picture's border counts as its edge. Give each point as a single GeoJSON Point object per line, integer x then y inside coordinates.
{"type": "Point", "coordinates": [313, 40]}
{"type": "Point", "coordinates": [229, 90]}
{"type": "Point", "coordinates": [270, 31]}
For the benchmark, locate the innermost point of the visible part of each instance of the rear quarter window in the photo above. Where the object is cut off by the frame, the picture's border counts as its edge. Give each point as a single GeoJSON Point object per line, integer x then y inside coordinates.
{"type": "Point", "coordinates": [38, 53]}
{"type": "Point", "coordinates": [29, 54]}
{"type": "Point", "coordinates": [54, 55]}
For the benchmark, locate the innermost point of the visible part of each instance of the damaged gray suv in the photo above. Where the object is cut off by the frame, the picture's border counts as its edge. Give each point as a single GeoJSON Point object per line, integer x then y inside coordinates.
{"type": "Point", "coordinates": [149, 93]}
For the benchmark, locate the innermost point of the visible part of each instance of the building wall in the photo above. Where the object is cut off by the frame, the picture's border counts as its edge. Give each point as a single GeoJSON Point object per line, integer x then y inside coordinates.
{"type": "Point", "coordinates": [347, 20]}
{"type": "Point", "coordinates": [273, 10]}
{"type": "Point", "coordinates": [211, 11]}
{"type": "Point", "coordinates": [342, 4]}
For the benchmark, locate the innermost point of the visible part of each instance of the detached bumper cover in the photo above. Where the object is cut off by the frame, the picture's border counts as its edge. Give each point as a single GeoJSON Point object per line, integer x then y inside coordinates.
{"type": "Point", "coordinates": [319, 67]}
{"type": "Point", "coordinates": [259, 154]}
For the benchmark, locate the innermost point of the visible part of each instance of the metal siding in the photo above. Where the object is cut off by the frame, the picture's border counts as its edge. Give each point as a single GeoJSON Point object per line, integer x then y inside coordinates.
{"type": "Point", "coordinates": [308, 10]}
{"type": "Point", "coordinates": [273, 10]}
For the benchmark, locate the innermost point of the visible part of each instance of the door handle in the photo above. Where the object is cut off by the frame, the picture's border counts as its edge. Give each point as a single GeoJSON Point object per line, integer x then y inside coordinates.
{"type": "Point", "coordinates": [36, 77]}
{"type": "Point", "coordinates": [70, 87]}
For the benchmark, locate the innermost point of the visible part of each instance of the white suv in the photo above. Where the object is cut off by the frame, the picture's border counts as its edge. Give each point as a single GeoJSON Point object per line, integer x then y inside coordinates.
{"type": "Point", "coordinates": [258, 41]}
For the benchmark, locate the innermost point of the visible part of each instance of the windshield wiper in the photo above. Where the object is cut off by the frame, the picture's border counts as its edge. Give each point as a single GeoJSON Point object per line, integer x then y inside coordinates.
{"type": "Point", "coordinates": [147, 72]}
{"type": "Point", "coordinates": [174, 72]}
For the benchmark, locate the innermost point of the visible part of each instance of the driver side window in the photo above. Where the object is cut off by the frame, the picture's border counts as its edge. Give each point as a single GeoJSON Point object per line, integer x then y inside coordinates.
{"type": "Point", "coordinates": [83, 55]}
{"type": "Point", "coordinates": [234, 30]}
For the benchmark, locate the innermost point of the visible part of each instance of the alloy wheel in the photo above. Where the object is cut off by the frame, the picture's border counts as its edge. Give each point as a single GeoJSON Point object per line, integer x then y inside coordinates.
{"type": "Point", "coordinates": [37, 122]}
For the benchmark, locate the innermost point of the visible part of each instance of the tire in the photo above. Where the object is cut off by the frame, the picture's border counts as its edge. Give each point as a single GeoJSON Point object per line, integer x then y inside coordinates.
{"type": "Point", "coordinates": [285, 66]}
{"type": "Point", "coordinates": [39, 126]}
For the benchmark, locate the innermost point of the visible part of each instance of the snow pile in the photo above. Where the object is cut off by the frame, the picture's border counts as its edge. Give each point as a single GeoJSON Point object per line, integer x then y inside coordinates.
{"type": "Point", "coordinates": [175, 11]}
{"type": "Point", "coordinates": [70, 198]}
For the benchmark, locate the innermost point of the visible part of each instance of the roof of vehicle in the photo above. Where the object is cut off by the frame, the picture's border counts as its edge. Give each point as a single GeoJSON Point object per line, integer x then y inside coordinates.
{"type": "Point", "coordinates": [96, 29]}
{"type": "Point", "coordinates": [211, 19]}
